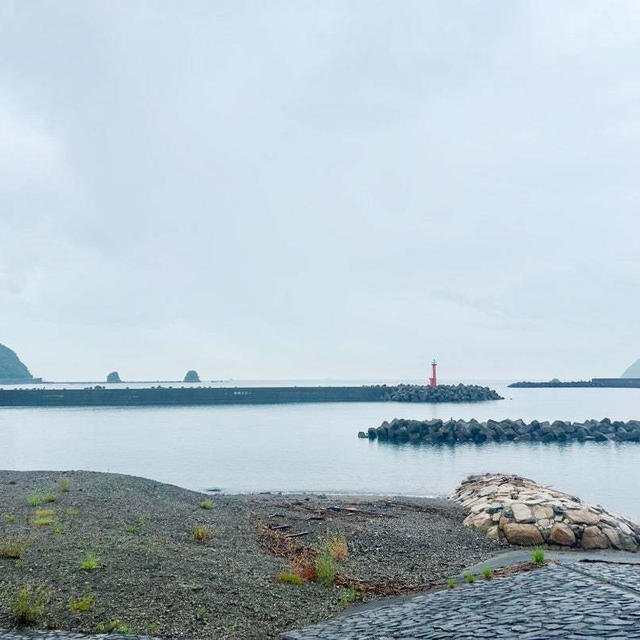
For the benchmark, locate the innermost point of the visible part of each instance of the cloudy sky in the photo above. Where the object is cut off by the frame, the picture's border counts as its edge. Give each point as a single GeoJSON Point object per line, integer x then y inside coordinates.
{"type": "Point", "coordinates": [320, 189]}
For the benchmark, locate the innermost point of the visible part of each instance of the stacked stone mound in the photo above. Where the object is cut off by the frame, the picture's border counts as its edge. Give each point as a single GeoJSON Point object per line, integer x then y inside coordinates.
{"type": "Point", "coordinates": [437, 431]}
{"type": "Point", "coordinates": [524, 512]}
{"type": "Point", "coordinates": [441, 393]}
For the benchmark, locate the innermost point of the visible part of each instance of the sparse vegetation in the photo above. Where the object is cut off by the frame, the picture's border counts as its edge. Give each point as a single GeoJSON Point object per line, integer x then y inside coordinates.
{"type": "Point", "coordinates": [9, 518]}
{"type": "Point", "coordinates": [337, 548]}
{"type": "Point", "coordinates": [325, 568]}
{"type": "Point", "coordinates": [207, 503]}
{"type": "Point", "coordinates": [89, 561]}
{"type": "Point", "coordinates": [347, 596]}
{"type": "Point", "coordinates": [153, 627]}
{"type": "Point", "coordinates": [84, 603]}
{"type": "Point", "coordinates": [36, 499]}
{"type": "Point", "coordinates": [12, 548]}
{"type": "Point", "coordinates": [451, 583]}
{"type": "Point", "coordinates": [486, 573]}
{"type": "Point", "coordinates": [71, 511]}
{"type": "Point", "coordinates": [469, 577]}
{"type": "Point", "coordinates": [201, 533]}
{"type": "Point", "coordinates": [64, 484]}
{"type": "Point", "coordinates": [303, 567]}
{"type": "Point", "coordinates": [113, 626]}
{"type": "Point", "coordinates": [27, 604]}
{"type": "Point", "coordinates": [43, 517]}
{"type": "Point", "coordinates": [289, 578]}
{"type": "Point", "coordinates": [537, 555]}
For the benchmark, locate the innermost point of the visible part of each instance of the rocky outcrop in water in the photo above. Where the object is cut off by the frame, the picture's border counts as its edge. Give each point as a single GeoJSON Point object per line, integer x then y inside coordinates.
{"type": "Point", "coordinates": [451, 431]}
{"type": "Point", "coordinates": [523, 512]}
{"type": "Point", "coordinates": [114, 376]}
{"type": "Point", "coordinates": [191, 376]}
{"type": "Point", "coordinates": [11, 368]}
{"type": "Point", "coordinates": [441, 393]}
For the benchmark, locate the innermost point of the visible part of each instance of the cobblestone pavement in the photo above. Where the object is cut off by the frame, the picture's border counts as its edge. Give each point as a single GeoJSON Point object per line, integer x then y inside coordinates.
{"type": "Point", "coordinates": [559, 601]}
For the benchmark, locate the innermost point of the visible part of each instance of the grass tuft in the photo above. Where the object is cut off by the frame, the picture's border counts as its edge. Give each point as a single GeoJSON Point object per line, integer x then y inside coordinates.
{"type": "Point", "coordinates": [64, 484]}
{"type": "Point", "coordinates": [469, 577]}
{"type": "Point", "coordinates": [289, 578]}
{"type": "Point", "coordinates": [27, 604]}
{"type": "Point", "coordinates": [325, 568]}
{"type": "Point", "coordinates": [486, 573]}
{"type": "Point", "coordinates": [12, 548]}
{"type": "Point", "coordinates": [83, 603]}
{"type": "Point", "coordinates": [347, 596]}
{"type": "Point", "coordinates": [38, 498]}
{"type": "Point", "coordinates": [451, 583]}
{"type": "Point", "coordinates": [207, 503]}
{"type": "Point", "coordinates": [71, 511]}
{"type": "Point", "coordinates": [42, 517]}
{"type": "Point", "coordinates": [9, 518]}
{"type": "Point", "coordinates": [337, 548]}
{"type": "Point", "coordinates": [201, 533]}
{"type": "Point", "coordinates": [537, 555]}
{"type": "Point", "coordinates": [89, 561]}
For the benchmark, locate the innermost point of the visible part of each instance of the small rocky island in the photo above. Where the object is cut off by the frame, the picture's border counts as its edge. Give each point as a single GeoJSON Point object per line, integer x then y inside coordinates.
{"type": "Point", "coordinates": [451, 431]}
{"type": "Point", "coordinates": [113, 377]}
{"type": "Point", "coordinates": [12, 370]}
{"type": "Point", "coordinates": [523, 512]}
{"type": "Point", "coordinates": [191, 376]}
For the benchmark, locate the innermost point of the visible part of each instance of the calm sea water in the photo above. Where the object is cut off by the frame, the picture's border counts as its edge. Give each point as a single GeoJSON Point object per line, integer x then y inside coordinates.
{"type": "Point", "coordinates": [313, 447]}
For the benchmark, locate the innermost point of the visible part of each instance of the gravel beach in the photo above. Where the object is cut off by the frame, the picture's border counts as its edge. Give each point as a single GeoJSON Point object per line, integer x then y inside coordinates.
{"type": "Point", "coordinates": [153, 577]}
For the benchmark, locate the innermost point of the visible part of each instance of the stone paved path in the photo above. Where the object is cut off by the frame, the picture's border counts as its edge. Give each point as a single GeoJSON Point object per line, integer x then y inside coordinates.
{"type": "Point", "coordinates": [572, 601]}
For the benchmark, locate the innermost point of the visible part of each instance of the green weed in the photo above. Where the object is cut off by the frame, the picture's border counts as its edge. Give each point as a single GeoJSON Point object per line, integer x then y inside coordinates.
{"type": "Point", "coordinates": [451, 583]}
{"type": "Point", "coordinates": [89, 561]}
{"type": "Point", "coordinates": [347, 596]}
{"type": "Point", "coordinates": [9, 518]}
{"type": "Point", "coordinates": [201, 533]}
{"type": "Point", "coordinates": [486, 573]}
{"type": "Point", "coordinates": [83, 603]}
{"type": "Point", "coordinates": [470, 578]}
{"type": "Point", "coordinates": [27, 604]}
{"type": "Point", "coordinates": [42, 517]}
{"type": "Point", "coordinates": [325, 568]}
{"type": "Point", "coordinates": [537, 555]}
{"type": "Point", "coordinates": [39, 498]}
{"type": "Point", "coordinates": [289, 578]}
{"type": "Point", "coordinates": [336, 547]}
{"type": "Point", "coordinates": [64, 484]}
{"type": "Point", "coordinates": [153, 627]}
{"type": "Point", "coordinates": [12, 548]}
{"type": "Point", "coordinates": [71, 511]}
{"type": "Point", "coordinates": [207, 503]}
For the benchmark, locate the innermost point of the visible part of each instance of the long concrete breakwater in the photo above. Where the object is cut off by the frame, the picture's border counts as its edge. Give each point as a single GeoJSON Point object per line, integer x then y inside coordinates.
{"type": "Point", "coordinates": [594, 383]}
{"type": "Point", "coordinates": [184, 396]}
{"type": "Point", "coordinates": [437, 431]}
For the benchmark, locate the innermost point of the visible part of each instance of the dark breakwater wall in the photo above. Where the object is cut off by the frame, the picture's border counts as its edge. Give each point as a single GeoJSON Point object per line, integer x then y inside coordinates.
{"type": "Point", "coordinates": [609, 383]}
{"type": "Point", "coordinates": [457, 431]}
{"type": "Point", "coordinates": [155, 396]}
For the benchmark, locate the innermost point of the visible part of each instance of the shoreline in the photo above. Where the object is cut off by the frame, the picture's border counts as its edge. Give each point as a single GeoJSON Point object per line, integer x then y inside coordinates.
{"type": "Point", "coordinates": [153, 577]}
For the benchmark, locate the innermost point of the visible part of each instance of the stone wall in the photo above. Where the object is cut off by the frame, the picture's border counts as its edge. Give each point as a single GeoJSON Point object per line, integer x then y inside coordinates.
{"type": "Point", "coordinates": [526, 513]}
{"type": "Point", "coordinates": [454, 431]}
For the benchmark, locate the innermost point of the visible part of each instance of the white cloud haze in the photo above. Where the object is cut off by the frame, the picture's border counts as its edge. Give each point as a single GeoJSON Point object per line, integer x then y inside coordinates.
{"type": "Point", "coordinates": [320, 189]}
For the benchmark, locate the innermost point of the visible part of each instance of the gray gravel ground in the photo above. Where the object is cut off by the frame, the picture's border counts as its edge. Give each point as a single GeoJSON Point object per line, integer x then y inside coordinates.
{"type": "Point", "coordinates": [155, 579]}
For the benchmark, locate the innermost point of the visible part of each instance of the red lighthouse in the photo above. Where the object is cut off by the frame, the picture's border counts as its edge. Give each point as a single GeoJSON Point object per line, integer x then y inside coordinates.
{"type": "Point", "coordinates": [432, 379]}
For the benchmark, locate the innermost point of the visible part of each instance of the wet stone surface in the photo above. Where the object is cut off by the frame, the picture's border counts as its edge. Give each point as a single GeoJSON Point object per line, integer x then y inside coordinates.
{"type": "Point", "coordinates": [554, 602]}
{"type": "Point", "coordinates": [28, 634]}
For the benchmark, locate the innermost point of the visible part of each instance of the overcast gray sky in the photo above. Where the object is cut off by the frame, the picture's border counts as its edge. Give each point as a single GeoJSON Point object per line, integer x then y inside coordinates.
{"type": "Point", "coordinates": [320, 189]}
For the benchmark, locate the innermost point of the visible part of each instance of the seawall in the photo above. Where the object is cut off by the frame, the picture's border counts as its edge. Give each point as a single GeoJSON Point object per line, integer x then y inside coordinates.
{"type": "Point", "coordinates": [184, 396]}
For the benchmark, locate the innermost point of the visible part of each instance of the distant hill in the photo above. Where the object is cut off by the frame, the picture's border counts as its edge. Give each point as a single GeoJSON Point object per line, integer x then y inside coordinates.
{"type": "Point", "coordinates": [10, 366]}
{"type": "Point", "coordinates": [633, 371]}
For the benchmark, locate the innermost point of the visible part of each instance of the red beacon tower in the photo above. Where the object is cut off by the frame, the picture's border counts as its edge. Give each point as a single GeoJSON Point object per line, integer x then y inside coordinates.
{"type": "Point", "coordinates": [432, 379]}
